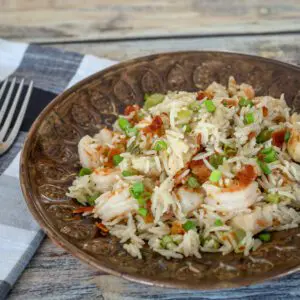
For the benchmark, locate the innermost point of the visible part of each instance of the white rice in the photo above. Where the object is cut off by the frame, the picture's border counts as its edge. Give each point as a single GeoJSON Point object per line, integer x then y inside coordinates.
{"type": "Point", "coordinates": [185, 218]}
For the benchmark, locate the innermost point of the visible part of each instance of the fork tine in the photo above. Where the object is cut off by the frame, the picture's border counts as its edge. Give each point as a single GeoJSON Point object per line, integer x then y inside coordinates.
{"type": "Point", "coordinates": [6, 101]}
{"type": "Point", "coordinates": [15, 130]}
{"type": "Point", "coordinates": [11, 112]}
{"type": "Point", "coordinates": [3, 88]}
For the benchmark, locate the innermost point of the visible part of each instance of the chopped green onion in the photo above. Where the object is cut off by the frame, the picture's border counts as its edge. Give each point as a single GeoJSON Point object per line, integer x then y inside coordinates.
{"type": "Point", "coordinates": [142, 198]}
{"type": "Point", "coordinates": [218, 222]}
{"type": "Point", "coordinates": [184, 115]}
{"type": "Point", "coordinates": [124, 123]}
{"type": "Point", "coordinates": [143, 211]}
{"type": "Point", "coordinates": [189, 225]}
{"type": "Point", "coordinates": [210, 106]}
{"type": "Point", "coordinates": [249, 118]}
{"type": "Point", "coordinates": [141, 201]}
{"type": "Point", "coordinates": [160, 145]}
{"type": "Point", "coordinates": [264, 237]}
{"type": "Point", "coordinates": [85, 171]}
{"type": "Point", "coordinates": [287, 136]}
{"type": "Point", "coordinates": [166, 240]}
{"type": "Point", "coordinates": [215, 176]}
{"type": "Point", "coordinates": [188, 128]}
{"type": "Point", "coordinates": [216, 160]}
{"type": "Point", "coordinates": [195, 106]}
{"type": "Point", "coordinates": [153, 100]}
{"type": "Point", "coordinates": [269, 154]}
{"type": "Point", "coordinates": [229, 151]}
{"type": "Point", "coordinates": [91, 199]}
{"type": "Point", "coordinates": [127, 173]}
{"type": "Point", "coordinates": [117, 159]}
{"type": "Point", "coordinates": [131, 131]}
{"type": "Point", "coordinates": [193, 182]}
{"type": "Point", "coordinates": [137, 189]}
{"type": "Point", "coordinates": [273, 198]}
{"type": "Point", "coordinates": [267, 150]}
{"type": "Point", "coordinates": [264, 136]}
{"type": "Point", "coordinates": [270, 157]}
{"type": "Point", "coordinates": [264, 167]}
{"type": "Point", "coordinates": [245, 102]}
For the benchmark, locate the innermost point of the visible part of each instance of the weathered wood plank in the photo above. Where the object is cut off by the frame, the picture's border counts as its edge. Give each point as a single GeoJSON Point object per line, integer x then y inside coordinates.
{"type": "Point", "coordinates": [283, 47]}
{"type": "Point", "coordinates": [54, 274]}
{"type": "Point", "coordinates": [53, 20]}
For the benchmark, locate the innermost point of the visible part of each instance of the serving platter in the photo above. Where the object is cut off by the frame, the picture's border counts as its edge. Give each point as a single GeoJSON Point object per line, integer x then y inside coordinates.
{"type": "Point", "coordinates": [50, 162]}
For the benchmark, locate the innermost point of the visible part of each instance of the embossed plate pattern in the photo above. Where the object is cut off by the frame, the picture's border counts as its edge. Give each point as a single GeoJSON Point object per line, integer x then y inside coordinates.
{"type": "Point", "coordinates": [49, 163]}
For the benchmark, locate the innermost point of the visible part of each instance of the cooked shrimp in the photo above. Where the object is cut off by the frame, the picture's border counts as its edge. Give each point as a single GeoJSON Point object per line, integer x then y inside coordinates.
{"type": "Point", "coordinates": [256, 221]}
{"type": "Point", "coordinates": [189, 199]}
{"type": "Point", "coordinates": [105, 178]}
{"type": "Point", "coordinates": [111, 205]}
{"type": "Point", "coordinates": [230, 199]}
{"type": "Point", "coordinates": [105, 136]}
{"type": "Point", "coordinates": [293, 145]}
{"type": "Point", "coordinates": [89, 152]}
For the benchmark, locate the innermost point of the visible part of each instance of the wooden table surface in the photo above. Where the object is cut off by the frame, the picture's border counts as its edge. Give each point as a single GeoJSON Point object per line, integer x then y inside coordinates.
{"type": "Point", "coordinates": [120, 29]}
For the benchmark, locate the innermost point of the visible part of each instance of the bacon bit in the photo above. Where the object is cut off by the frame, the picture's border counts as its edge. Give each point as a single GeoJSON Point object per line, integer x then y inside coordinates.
{"type": "Point", "coordinates": [246, 175]}
{"type": "Point", "coordinates": [242, 248]}
{"type": "Point", "coordinates": [230, 102]}
{"type": "Point", "coordinates": [251, 135]}
{"type": "Point", "coordinates": [199, 168]}
{"type": "Point", "coordinates": [155, 127]}
{"type": "Point", "coordinates": [279, 119]}
{"type": "Point", "coordinates": [131, 108]}
{"type": "Point", "coordinates": [83, 209]}
{"type": "Point", "coordinates": [177, 228]}
{"type": "Point", "coordinates": [102, 227]}
{"type": "Point", "coordinates": [261, 223]}
{"type": "Point", "coordinates": [278, 138]}
{"type": "Point", "coordinates": [265, 111]}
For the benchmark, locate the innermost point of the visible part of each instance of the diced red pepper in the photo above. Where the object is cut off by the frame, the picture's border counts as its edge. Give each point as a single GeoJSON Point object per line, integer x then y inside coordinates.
{"type": "Point", "coordinates": [130, 108]}
{"type": "Point", "coordinates": [278, 137]}
{"type": "Point", "coordinates": [155, 127]}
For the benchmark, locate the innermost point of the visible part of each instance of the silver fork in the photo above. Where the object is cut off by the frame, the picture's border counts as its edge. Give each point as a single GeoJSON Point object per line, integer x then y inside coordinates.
{"type": "Point", "coordinates": [8, 136]}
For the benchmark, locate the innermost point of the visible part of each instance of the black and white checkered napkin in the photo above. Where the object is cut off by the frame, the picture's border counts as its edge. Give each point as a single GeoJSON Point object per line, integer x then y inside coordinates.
{"type": "Point", "coordinates": [52, 71]}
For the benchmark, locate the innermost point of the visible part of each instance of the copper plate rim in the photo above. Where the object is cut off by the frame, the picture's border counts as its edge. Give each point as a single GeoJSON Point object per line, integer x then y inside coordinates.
{"type": "Point", "coordinates": [60, 240]}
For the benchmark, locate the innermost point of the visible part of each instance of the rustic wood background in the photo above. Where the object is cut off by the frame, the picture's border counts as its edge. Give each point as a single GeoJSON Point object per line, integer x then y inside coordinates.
{"type": "Point", "coordinates": [119, 30]}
